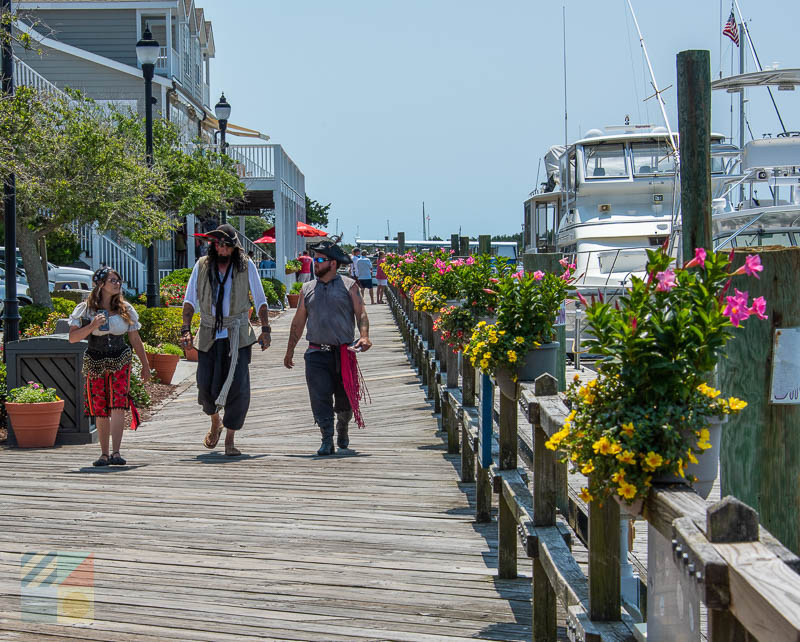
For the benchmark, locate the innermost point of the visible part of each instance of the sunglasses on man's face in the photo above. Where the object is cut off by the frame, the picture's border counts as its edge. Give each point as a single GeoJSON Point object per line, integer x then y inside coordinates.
{"type": "Point", "coordinates": [222, 243]}
{"type": "Point", "coordinates": [321, 259]}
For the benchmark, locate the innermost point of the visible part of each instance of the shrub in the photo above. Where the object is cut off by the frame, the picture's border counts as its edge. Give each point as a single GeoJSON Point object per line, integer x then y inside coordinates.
{"type": "Point", "coordinates": [163, 325]}
{"type": "Point", "coordinates": [296, 287]}
{"type": "Point", "coordinates": [73, 296]}
{"type": "Point", "coordinates": [177, 277]}
{"type": "Point", "coordinates": [44, 329]}
{"type": "Point", "coordinates": [138, 393]}
{"type": "Point", "coordinates": [63, 306]}
{"type": "Point", "coordinates": [293, 265]}
{"type": "Point", "coordinates": [33, 314]}
{"type": "Point", "coordinates": [279, 286]}
{"type": "Point", "coordinates": [173, 294]}
{"type": "Point", "coordinates": [269, 292]}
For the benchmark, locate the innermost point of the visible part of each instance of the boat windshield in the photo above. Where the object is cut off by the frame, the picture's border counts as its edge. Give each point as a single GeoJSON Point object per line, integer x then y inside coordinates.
{"type": "Point", "coordinates": [651, 158]}
{"type": "Point", "coordinates": [605, 161]}
{"type": "Point", "coordinates": [633, 260]}
{"type": "Point", "coordinates": [761, 238]}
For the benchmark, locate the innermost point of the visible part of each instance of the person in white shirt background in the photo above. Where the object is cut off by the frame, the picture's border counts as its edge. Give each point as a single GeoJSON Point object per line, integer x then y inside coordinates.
{"type": "Point", "coordinates": [363, 267]}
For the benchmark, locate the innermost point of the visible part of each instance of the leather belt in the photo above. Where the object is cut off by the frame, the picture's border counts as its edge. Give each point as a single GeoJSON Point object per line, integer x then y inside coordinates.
{"type": "Point", "coordinates": [324, 347]}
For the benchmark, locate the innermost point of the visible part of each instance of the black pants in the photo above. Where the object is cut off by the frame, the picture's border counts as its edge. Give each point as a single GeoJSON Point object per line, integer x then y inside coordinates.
{"type": "Point", "coordinates": [212, 370]}
{"type": "Point", "coordinates": [325, 388]}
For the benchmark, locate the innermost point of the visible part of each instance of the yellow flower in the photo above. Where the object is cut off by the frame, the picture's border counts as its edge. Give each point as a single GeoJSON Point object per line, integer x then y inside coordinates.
{"type": "Point", "coordinates": [572, 415]}
{"type": "Point", "coordinates": [615, 448]}
{"type": "Point", "coordinates": [484, 364]}
{"type": "Point", "coordinates": [618, 476]}
{"type": "Point", "coordinates": [704, 434]}
{"type": "Point", "coordinates": [512, 356]}
{"type": "Point", "coordinates": [703, 445]}
{"type": "Point", "coordinates": [627, 457]}
{"type": "Point", "coordinates": [520, 341]}
{"type": "Point", "coordinates": [586, 496]}
{"type": "Point", "coordinates": [691, 457]}
{"type": "Point", "coordinates": [573, 456]}
{"type": "Point", "coordinates": [493, 339]}
{"type": "Point", "coordinates": [708, 391]}
{"type": "Point", "coordinates": [602, 446]}
{"type": "Point", "coordinates": [628, 429]}
{"type": "Point", "coordinates": [736, 404]}
{"type": "Point", "coordinates": [588, 468]}
{"type": "Point", "coordinates": [681, 467]}
{"type": "Point", "coordinates": [576, 378]}
{"type": "Point", "coordinates": [487, 355]}
{"type": "Point", "coordinates": [626, 490]}
{"type": "Point", "coordinates": [653, 460]}
{"type": "Point", "coordinates": [481, 324]}
{"type": "Point", "coordinates": [501, 333]}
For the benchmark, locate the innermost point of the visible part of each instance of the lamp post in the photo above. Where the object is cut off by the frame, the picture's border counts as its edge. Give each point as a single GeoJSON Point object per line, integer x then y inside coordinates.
{"type": "Point", "coordinates": [11, 304]}
{"type": "Point", "coordinates": [222, 110]}
{"type": "Point", "coordinates": [147, 53]}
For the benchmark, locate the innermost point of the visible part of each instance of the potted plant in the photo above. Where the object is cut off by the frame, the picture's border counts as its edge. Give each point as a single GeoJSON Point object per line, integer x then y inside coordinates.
{"type": "Point", "coordinates": [294, 294]}
{"type": "Point", "coordinates": [35, 414]}
{"type": "Point", "coordinates": [163, 358]}
{"type": "Point", "coordinates": [521, 345]}
{"type": "Point", "coordinates": [455, 324]}
{"type": "Point", "coordinates": [652, 411]}
{"type": "Point", "coordinates": [293, 265]}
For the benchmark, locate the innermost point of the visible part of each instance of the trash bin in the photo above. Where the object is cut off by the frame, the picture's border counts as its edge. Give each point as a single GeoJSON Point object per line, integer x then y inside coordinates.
{"type": "Point", "coordinates": [56, 363]}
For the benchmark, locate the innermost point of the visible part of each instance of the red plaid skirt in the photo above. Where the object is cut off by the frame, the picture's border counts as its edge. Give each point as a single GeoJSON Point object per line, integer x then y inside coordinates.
{"type": "Point", "coordinates": [108, 392]}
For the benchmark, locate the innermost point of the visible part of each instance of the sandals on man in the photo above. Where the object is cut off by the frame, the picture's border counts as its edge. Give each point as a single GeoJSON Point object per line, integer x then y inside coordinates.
{"type": "Point", "coordinates": [116, 459]}
{"type": "Point", "coordinates": [103, 461]}
{"type": "Point", "coordinates": [212, 438]}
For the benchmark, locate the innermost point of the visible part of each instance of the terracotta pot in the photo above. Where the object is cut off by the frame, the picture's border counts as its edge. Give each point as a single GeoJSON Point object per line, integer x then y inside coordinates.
{"type": "Point", "coordinates": [190, 353]}
{"type": "Point", "coordinates": [164, 365]}
{"type": "Point", "coordinates": [35, 425]}
{"type": "Point", "coordinates": [294, 299]}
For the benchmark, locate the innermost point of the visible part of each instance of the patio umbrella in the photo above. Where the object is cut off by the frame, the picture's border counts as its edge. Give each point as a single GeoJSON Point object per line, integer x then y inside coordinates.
{"type": "Point", "coordinates": [267, 238]}
{"type": "Point", "coordinates": [303, 229]}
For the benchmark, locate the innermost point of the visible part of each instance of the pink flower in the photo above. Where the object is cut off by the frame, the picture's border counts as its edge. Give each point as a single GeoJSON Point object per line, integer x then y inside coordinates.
{"type": "Point", "coordinates": [634, 323]}
{"type": "Point", "coordinates": [518, 275]}
{"type": "Point", "coordinates": [494, 280]}
{"type": "Point", "coordinates": [538, 275]}
{"type": "Point", "coordinates": [752, 265]}
{"type": "Point", "coordinates": [452, 251]}
{"type": "Point", "coordinates": [470, 260]}
{"type": "Point", "coordinates": [737, 310]}
{"type": "Point", "coordinates": [758, 307]}
{"type": "Point", "coordinates": [666, 280]}
{"type": "Point", "coordinates": [488, 291]}
{"type": "Point", "coordinates": [699, 259]}
{"type": "Point", "coordinates": [582, 299]}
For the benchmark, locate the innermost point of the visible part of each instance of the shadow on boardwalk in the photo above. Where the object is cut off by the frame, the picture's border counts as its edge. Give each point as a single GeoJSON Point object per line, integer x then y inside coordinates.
{"type": "Point", "coordinates": [279, 543]}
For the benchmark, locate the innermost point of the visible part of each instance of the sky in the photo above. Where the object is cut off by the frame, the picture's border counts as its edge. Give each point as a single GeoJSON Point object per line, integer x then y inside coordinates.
{"type": "Point", "coordinates": [386, 104]}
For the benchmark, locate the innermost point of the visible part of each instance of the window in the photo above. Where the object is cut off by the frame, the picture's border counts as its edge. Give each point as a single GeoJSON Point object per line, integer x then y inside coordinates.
{"type": "Point", "coordinates": [187, 53]}
{"type": "Point", "coordinates": [605, 161]}
{"type": "Point", "coordinates": [651, 158]}
{"type": "Point", "coordinates": [545, 226]}
{"type": "Point", "coordinates": [761, 238]}
{"type": "Point", "coordinates": [624, 261]}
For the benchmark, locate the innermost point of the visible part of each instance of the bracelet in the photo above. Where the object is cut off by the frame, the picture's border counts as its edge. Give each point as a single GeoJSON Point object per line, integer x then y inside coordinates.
{"type": "Point", "coordinates": [186, 329]}
{"type": "Point", "coordinates": [266, 329]}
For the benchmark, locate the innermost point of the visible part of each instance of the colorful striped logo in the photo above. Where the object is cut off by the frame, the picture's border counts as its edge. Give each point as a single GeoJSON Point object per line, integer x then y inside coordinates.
{"type": "Point", "coordinates": [57, 587]}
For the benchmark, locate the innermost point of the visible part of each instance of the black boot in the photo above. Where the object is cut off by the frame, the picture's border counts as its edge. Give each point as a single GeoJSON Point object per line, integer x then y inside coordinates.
{"type": "Point", "coordinates": [342, 436]}
{"type": "Point", "coordinates": [327, 447]}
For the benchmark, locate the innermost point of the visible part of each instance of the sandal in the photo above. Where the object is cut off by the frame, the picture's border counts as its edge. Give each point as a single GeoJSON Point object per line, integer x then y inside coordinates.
{"type": "Point", "coordinates": [212, 438]}
{"type": "Point", "coordinates": [232, 451]}
{"type": "Point", "coordinates": [116, 460]}
{"type": "Point", "coordinates": [103, 461]}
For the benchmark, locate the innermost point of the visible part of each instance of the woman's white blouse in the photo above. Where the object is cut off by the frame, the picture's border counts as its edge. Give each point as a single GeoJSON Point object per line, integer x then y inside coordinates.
{"type": "Point", "coordinates": [116, 323]}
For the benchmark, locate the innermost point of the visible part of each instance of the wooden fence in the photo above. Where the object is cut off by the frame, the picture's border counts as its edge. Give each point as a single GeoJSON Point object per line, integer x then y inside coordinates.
{"type": "Point", "coordinates": [703, 558]}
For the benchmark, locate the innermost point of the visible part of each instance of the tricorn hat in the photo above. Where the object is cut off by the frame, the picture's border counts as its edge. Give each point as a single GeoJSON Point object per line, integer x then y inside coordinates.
{"type": "Point", "coordinates": [331, 249]}
{"type": "Point", "coordinates": [225, 233]}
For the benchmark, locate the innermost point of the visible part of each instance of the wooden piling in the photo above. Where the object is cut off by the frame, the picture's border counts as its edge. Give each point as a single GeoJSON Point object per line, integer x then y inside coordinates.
{"type": "Point", "coordinates": [454, 243]}
{"type": "Point", "coordinates": [484, 244]}
{"type": "Point", "coordinates": [694, 126]}
{"type": "Point", "coordinates": [401, 242]}
{"type": "Point", "coordinates": [463, 246]}
{"type": "Point", "coordinates": [546, 262]}
{"type": "Point", "coordinates": [759, 459]}
{"type": "Point", "coordinates": [604, 573]}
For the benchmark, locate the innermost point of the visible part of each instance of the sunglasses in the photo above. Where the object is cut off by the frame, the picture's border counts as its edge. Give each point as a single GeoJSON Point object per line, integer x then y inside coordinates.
{"type": "Point", "coordinates": [321, 259]}
{"type": "Point", "coordinates": [222, 243]}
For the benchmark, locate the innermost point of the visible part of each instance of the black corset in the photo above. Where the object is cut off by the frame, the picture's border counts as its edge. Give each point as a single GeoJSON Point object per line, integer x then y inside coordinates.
{"type": "Point", "coordinates": [107, 353]}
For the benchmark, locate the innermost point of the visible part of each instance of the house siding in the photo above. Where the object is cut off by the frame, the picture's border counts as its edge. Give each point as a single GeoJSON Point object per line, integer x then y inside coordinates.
{"type": "Point", "coordinates": [105, 32]}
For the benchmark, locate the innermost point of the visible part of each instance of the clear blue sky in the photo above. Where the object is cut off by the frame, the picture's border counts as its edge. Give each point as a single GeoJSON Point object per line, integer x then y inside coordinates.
{"type": "Point", "coordinates": [384, 104]}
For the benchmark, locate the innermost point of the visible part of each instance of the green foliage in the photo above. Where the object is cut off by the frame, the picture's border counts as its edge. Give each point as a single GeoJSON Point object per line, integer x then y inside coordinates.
{"type": "Point", "coordinates": [73, 296]}
{"type": "Point", "coordinates": [137, 391]}
{"type": "Point", "coordinates": [455, 324]}
{"type": "Point", "coordinates": [317, 213]}
{"type": "Point", "coordinates": [33, 315]}
{"type": "Point", "coordinates": [279, 287]}
{"type": "Point", "coordinates": [163, 325]}
{"type": "Point", "coordinates": [163, 348]}
{"type": "Point", "coordinates": [294, 265]}
{"type": "Point", "coordinates": [255, 226]}
{"type": "Point", "coordinates": [32, 392]}
{"type": "Point", "coordinates": [40, 316]}
{"type": "Point", "coordinates": [296, 287]}
{"type": "Point", "coordinates": [269, 292]}
{"type": "Point", "coordinates": [63, 306]}
{"type": "Point", "coordinates": [510, 237]}
{"type": "Point", "coordinates": [179, 277]}
{"type": "Point", "coordinates": [63, 247]}
{"type": "Point", "coordinates": [47, 327]}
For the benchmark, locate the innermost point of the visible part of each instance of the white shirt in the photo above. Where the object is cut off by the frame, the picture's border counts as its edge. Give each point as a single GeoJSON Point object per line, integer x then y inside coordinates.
{"type": "Point", "coordinates": [364, 268]}
{"type": "Point", "coordinates": [116, 324]}
{"type": "Point", "coordinates": [256, 289]}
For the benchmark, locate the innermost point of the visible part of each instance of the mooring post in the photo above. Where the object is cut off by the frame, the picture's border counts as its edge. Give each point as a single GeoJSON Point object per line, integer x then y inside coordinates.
{"type": "Point", "coordinates": [401, 242]}
{"type": "Point", "coordinates": [694, 127]}
{"type": "Point", "coordinates": [455, 245]}
{"type": "Point", "coordinates": [484, 244]}
{"type": "Point", "coordinates": [464, 246]}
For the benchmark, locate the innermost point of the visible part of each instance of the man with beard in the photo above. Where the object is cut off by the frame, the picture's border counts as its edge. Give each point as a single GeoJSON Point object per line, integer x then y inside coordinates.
{"type": "Point", "coordinates": [219, 289]}
{"type": "Point", "coordinates": [331, 304]}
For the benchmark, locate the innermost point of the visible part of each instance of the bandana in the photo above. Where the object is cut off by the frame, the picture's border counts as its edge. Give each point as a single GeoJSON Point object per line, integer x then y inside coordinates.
{"type": "Point", "coordinates": [100, 275]}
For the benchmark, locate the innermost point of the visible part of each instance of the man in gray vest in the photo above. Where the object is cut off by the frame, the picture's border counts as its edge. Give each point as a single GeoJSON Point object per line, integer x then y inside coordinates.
{"type": "Point", "coordinates": [219, 289]}
{"type": "Point", "coordinates": [332, 305]}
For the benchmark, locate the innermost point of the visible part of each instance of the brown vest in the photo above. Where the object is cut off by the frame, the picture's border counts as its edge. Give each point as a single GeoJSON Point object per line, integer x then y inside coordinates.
{"type": "Point", "coordinates": [240, 306]}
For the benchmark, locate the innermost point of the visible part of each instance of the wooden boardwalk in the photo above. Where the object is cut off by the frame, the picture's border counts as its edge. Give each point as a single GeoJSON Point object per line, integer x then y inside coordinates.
{"type": "Point", "coordinates": [277, 544]}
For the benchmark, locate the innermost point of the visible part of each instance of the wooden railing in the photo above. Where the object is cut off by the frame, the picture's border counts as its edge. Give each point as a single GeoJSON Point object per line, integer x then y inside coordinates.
{"type": "Point", "coordinates": [710, 559]}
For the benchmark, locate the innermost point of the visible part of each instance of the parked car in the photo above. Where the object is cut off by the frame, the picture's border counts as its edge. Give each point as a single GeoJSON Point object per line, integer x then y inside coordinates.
{"type": "Point", "coordinates": [23, 293]}
{"type": "Point", "coordinates": [65, 278]}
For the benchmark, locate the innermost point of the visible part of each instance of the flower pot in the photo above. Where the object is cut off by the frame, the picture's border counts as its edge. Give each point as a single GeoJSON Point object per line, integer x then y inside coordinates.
{"type": "Point", "coordinates": [629, 510]}
{"type": "Point", "coordinates": [189, 353]}
{"type": "Point", "coordinates": [290, 271]}
{"type": "Point", "coordinates": [294, 300]}
{"type": "Point", "coordinates": [707, 467]}
{"type": "Point", "coordinates": [164, 365]}
{"type": "Point", "coordinates": [543, 359]}
{"type": "Point", "coordinates": [35, 425]}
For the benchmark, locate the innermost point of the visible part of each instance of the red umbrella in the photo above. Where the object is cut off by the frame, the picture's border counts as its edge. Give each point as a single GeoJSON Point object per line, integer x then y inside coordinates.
{"type": "Point", "coordinates": [303, 229]}
{"type": "Point", "coordinates": [266, 238]}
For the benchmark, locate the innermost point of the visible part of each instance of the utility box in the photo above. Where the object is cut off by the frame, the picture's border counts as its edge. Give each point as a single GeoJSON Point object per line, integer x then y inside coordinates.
{"type": "Point", "coordinates": [54, 362]}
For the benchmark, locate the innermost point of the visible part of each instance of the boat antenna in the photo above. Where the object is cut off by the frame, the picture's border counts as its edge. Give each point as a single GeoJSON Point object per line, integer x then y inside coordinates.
{"type": "Point", "coordinates": [538, 169]}
{"type": "Point", "coordinates": [564, 47]}
{"type": "Point", "coordinates": [653, 81]}
{"type": "Point", "coordinates": [757, 61]}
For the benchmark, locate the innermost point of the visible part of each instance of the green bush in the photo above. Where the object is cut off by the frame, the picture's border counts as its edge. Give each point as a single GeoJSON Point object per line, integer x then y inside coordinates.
{"type": "Point", "coordinates": [269, 292]}
{"type": "Point", "coordinates": [177, 277]}
{"type": "Point", "coordinates": [33, 314]}
{"type": "Point", "coordinates": [137, 391]}
{"type": "Point", "coordinates": [63, 306]}
{"type": "Point", "coordinates": [63, 247]}
{"type": "Point", "coordinates": [163, 325]}
{"type": "Point", "coordinates": [44, 329]}
{"type": "Point", "coordinates": [163, 348]}
{"type": "Point", "coordinates": [296, 287]}
{"type": "Point", "coordinates": [73, 296]}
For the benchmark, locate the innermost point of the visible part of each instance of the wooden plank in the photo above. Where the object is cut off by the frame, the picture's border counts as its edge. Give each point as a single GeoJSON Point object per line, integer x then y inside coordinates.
{"type": "Point", "coordinates": [604, 573]}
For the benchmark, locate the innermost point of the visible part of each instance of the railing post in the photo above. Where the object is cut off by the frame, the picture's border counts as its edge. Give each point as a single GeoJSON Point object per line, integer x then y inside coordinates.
{"type": "Point", "coordinates": [451, 361]}
{"type": "Point", "coordinates": [483, 491]}
{"type": "Point", "coordinates": [604, 573]}
{"type": "Point", "coordinates": [467, 400]}
{"type": "Point", "coordinates": [506, 522]}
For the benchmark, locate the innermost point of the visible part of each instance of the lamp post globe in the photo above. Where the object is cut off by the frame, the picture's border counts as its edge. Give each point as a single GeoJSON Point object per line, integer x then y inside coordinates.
{"type": "Point", "coordinates": [147, 51]}
{"type": "Point", "coordinates": [222, 110]}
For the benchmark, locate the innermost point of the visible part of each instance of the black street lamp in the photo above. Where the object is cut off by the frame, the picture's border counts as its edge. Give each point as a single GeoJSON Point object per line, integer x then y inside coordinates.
{"type": "Point", "coordinates": [11, 304]}
{"type": "Point", "coordinates": [222, 110]}
{"type": "Point", "coordinates": [147, 52]}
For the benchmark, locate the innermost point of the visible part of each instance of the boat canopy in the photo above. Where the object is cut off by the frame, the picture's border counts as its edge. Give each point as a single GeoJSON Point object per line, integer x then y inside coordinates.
{"type": "Point", "coordinates": [771, 152]}
{"type": "Point", "coordinates": [551, 162]}
{"type": "Point", "coordinates": [786, 79]}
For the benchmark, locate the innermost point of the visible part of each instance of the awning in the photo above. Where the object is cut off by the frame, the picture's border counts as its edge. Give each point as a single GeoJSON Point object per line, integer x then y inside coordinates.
{"type": "Point", "coordinates": [784, 79]}
{"type": "Point", "coordinates": [236, 130]}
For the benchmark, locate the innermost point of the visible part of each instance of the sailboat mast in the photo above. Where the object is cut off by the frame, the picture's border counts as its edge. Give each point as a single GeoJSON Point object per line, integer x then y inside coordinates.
{"type": "Point", "coordinates": [742, 45]}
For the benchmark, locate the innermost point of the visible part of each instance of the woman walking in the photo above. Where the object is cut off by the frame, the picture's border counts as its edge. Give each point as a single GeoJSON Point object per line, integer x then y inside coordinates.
{"type": "Point", "coordinates": [105, 318]}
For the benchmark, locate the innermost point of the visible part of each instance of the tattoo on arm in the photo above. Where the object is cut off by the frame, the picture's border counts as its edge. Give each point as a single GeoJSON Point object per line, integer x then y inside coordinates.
{"type": "Point", "coordinates": [263, 315]}
{"type": "Point", "coordinates": [295, 334]}
{"type": "Point", "coordinates": [188, 313]}
{"type": "Point", "coordinates": [363, 323]}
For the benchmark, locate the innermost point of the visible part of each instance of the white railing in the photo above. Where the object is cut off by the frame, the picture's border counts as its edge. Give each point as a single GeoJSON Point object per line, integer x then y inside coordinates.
{"type": "Point", "coordinates": [29, 77]}
{"type": "Point", "coordinates": [266, 273]}
{"type": "Point", "coordinates": [162, 274]}
{"type": "Point", "coordinates": [249, 246]}
{"type": "Point", "coordinates": [162, 62]}
{"type": "Point", "coordinates": [253, 161]}
{"type": "Point", "coordinates": [104, 251]}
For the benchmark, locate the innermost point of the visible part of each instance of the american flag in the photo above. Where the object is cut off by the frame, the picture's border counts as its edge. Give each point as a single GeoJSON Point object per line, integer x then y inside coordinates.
{"type": "Point", "coordinates": [731, 30]}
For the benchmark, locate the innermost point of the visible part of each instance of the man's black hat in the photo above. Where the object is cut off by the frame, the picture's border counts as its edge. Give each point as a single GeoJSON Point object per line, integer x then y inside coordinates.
{"type": "Point", "coordinates": [331, 249]}
{"type": "Point", "coordinates": [225, 233]}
